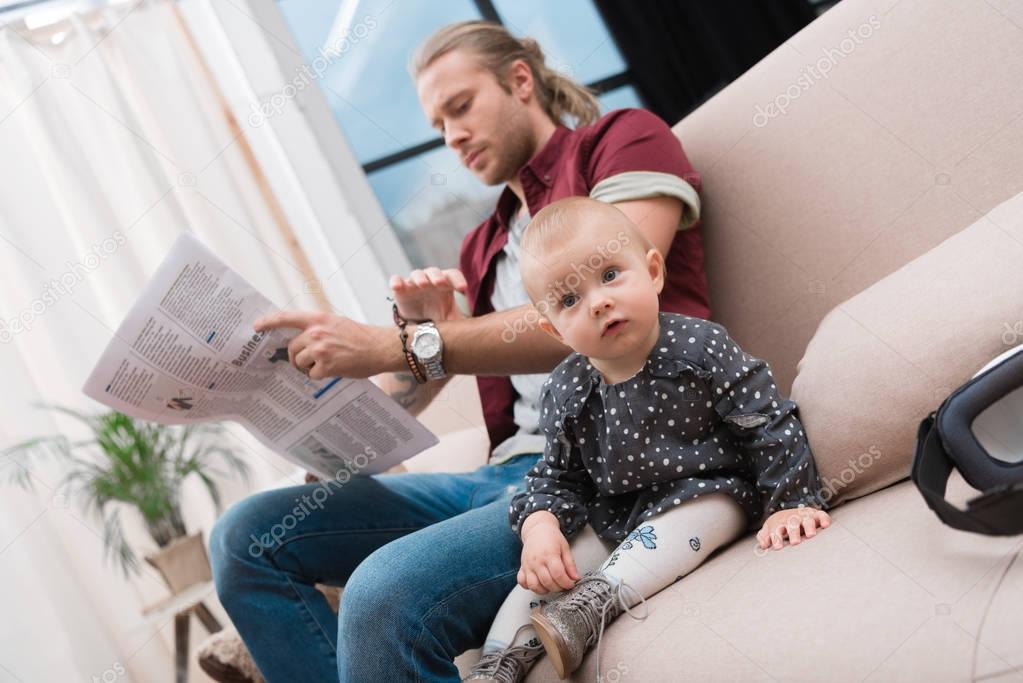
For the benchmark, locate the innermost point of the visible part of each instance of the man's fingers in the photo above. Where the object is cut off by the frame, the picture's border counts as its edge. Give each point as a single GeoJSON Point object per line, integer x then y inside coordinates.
{"type": "Point", "coordinates": [436, 277]}
{"type": "Point", "coordinates": [432, 278]}
{"type": "Point", "coordinates": [762, 537]}
{"type": "Point", "coordinates": [298, 320]}
{"type": "Point", "coordinates": [438, 283]}
{"type": "Point", "coordinates": [295, 347]}
{"type": "Point", "coordinates": [304, 360]}
{"type": "Point", "coordinates": [776, 540]}
{"type": "Point", "coordinates": [456, 279]}
{"type": "Point", "coordinates": [418, 278]}
{"type": "Point", "coordinates": [521, 578]}
{"type": "Point", "coordinates": [824, 519]}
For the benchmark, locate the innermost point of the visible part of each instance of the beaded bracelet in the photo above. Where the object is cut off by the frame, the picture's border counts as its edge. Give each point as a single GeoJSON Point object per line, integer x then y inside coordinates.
{"type": "Point", "coordinates": [409, 356]}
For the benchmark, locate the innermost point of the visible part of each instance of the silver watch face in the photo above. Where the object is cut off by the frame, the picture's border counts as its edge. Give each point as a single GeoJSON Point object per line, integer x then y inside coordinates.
{"type": "Point", "coordinates": [427, 345]}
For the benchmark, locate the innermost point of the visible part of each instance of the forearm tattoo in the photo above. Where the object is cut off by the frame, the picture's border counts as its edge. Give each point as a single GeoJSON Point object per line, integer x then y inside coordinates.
{"type": "Point", "coordinates": [405, 395]}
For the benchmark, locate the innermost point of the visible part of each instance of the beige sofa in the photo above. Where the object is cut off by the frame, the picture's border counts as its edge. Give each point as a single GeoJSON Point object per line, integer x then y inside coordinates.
{"type": "Point", "coordinates": [867, 243]}
{"type": "Point", "coordinates": [854, 242]}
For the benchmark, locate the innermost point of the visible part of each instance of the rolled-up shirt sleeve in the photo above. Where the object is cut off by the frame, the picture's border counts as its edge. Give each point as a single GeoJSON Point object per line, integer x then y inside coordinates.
{"type": "Point", "coordinates": [766, 425]}
{"type": "Point", "coordinates": [637, 156]}
{"type": "Point", "coordinates": [633, 185]}
{"type": "Point", "coordinates": [558, 482]}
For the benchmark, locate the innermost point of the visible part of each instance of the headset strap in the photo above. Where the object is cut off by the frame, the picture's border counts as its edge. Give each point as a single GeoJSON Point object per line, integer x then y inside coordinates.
{"type": "Point", "coordinates": [997, 512]}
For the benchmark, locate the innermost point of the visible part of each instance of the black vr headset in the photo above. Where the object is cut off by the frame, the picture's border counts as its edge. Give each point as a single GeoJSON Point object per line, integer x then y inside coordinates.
{"type": "Point", "coordinates": [978, 429]}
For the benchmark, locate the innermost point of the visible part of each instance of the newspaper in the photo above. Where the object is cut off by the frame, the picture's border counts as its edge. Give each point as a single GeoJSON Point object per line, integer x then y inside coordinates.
{"type": "Point", "coordinates": [187, 352]}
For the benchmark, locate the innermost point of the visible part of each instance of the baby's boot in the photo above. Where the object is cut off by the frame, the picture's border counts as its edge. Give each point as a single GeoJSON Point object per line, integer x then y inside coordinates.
{"type": "Point", "coordinates": [571, 623]}
{"type": "Point", "coordinates": [509, 665]}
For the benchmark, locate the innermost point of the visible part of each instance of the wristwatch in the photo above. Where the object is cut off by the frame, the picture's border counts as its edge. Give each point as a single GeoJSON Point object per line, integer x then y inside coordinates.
{"type": "Point", "coordinates": [428, 348]}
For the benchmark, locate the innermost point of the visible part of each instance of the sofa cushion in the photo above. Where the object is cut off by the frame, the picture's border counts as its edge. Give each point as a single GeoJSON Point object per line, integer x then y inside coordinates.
{"type": "Point", "coordinates": [882, 360]}
{"type": "Point", "coordinates": [910, 137]}
{"type": "Point", "coordinates": [886, 593]}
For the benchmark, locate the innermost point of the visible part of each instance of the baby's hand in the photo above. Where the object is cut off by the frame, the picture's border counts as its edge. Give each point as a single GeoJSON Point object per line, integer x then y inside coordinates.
{"type": "Point", "coordinates": [789, 523]}
{"type": "Point", "coordinates": [547, 564]}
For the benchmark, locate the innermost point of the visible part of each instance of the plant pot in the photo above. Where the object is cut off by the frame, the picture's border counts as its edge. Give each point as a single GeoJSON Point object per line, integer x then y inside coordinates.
{"type": "Point", "coordinates": [183, 562]}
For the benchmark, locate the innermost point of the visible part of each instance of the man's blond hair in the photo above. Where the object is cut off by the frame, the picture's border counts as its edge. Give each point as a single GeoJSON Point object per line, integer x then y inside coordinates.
{"type": "Point", "coordinates": [558, 95]}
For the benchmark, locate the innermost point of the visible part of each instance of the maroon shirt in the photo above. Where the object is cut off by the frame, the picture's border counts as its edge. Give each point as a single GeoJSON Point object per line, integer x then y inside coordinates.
{"type": "Point", "coordinates": [569, 165]}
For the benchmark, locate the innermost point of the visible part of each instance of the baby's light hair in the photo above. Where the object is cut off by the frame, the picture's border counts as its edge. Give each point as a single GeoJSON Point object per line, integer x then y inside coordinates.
{"type": "Point", "coordinates": [562, 221]}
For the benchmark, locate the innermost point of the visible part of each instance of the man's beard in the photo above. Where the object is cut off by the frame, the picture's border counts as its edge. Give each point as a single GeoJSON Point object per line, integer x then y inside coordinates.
{"type": "Point", "coordinates": [518, 148]}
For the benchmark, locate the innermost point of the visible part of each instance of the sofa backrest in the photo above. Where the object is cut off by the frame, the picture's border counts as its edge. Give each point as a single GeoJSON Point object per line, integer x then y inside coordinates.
{"type": "Point", "coordinates": [866, 139]}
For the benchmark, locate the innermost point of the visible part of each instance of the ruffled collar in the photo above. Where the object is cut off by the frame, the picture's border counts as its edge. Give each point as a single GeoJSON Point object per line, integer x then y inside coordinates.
{"type": "Point", "coordinates": [666, 359]}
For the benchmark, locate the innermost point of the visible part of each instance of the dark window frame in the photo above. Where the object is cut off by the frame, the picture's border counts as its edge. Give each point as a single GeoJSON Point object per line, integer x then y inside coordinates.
{"type": "Point", "coordinates": [489, 12]}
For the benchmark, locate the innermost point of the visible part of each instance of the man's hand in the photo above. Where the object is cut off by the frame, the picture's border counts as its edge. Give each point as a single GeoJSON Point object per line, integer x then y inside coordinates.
{"type": "Point", "coordinates": [332, 345]}
{"type": "Point", "coordinates": [547, 564]}
{"type": "Point", "coordinates": [790, 523]}
{"type": "Point", "coordinates": [429, 294]}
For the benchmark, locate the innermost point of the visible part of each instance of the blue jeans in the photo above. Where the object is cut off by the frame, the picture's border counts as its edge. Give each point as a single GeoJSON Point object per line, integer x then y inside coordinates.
{"type": "Point", "coordinates": [426, 561]}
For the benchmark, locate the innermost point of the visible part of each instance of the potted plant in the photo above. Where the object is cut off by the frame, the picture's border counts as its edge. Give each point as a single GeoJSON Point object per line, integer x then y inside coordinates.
{"type": "Point", "coordinates": [142, 465]}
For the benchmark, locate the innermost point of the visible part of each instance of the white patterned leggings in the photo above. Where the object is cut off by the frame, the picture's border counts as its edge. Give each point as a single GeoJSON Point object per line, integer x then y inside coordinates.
{"type": "Point", "coordinates": [661, 551]}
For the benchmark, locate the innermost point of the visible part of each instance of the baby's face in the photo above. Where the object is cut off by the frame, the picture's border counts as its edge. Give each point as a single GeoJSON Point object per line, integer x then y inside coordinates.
{"type": "Point", "coordinates": [600, 291]}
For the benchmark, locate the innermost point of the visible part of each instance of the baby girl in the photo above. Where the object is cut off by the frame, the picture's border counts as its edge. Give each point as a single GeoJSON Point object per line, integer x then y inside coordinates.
{"type": "Point", "coordinates": [665, 441]}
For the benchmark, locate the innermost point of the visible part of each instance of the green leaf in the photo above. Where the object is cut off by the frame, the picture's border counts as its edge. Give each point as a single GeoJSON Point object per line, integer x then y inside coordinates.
{"type": "Point", "coordinates": [133, 463]}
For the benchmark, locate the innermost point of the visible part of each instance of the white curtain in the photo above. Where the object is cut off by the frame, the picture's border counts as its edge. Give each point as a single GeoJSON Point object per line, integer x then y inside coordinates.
{"type": "Point", "coordinates": [112, 143]}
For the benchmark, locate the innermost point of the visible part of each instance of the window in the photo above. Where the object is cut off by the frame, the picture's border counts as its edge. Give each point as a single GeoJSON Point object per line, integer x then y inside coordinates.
{"type": "Point", "coordinates": [431, 200]}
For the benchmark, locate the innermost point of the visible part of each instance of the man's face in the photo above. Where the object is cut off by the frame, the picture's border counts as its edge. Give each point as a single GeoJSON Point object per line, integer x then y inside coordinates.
{"type": "Point", "coordinates": [594, 280]}
{"type": "Point", "coordinates": [489, 128]}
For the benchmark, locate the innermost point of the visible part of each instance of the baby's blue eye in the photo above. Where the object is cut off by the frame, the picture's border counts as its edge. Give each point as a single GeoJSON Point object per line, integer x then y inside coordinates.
{"type": "Point", "coordinates": [568, 300]}
{"type": "Point", "coordinates": [613, 272]}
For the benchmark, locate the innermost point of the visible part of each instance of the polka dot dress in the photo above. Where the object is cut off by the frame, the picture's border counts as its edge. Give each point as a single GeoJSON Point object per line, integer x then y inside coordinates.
{"type": "Point", "coordinates": [701, 416]}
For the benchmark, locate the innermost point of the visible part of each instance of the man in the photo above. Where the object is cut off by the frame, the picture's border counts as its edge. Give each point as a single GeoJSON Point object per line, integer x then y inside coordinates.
{"type": "Point", "coordinates": [427, 559]}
